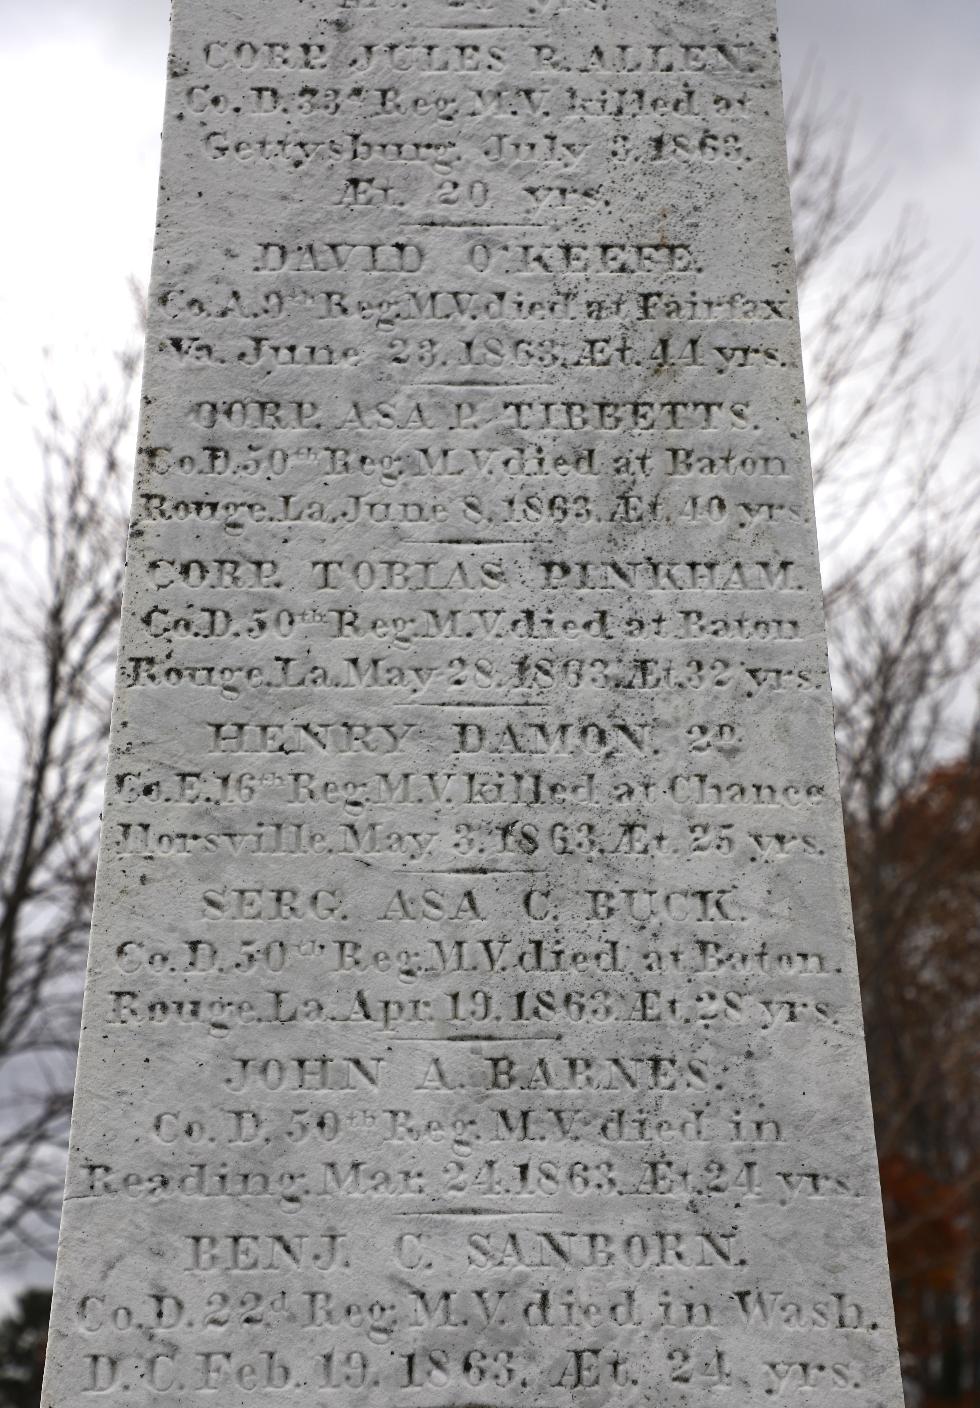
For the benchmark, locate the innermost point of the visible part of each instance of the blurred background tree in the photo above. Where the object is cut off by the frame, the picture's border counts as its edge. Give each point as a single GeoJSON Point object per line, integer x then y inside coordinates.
{"type": "Point", "coordinates": [899, 513]}
{"type": "Point", "coordinates": [23, 1341]}
{"type": "Point", "coordinates": [62, 576]}
{"type": "Point", "coordinates": [898, 504]}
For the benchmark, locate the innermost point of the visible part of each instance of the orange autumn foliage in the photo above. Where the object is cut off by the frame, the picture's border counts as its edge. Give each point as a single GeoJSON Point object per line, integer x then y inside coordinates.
{"type": "Point", "coordinates": [916, 884]}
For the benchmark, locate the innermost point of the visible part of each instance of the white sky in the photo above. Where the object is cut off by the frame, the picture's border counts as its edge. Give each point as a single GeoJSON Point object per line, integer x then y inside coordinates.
{"type": "Point", "coordinates": [81, 92]}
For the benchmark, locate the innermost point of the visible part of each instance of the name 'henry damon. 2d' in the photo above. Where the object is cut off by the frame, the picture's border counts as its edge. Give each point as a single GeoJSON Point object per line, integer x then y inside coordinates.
{"type": "Point", "coordinates": [472, 1016]}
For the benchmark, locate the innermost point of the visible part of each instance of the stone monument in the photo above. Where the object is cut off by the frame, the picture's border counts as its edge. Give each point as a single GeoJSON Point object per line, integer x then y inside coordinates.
{"type": "Point", "coordinates": [472, 1015]}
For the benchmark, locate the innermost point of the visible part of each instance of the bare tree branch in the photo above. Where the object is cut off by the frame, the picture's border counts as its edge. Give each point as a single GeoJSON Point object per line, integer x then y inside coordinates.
{"type": "Point", "coordinates": [57, 655]}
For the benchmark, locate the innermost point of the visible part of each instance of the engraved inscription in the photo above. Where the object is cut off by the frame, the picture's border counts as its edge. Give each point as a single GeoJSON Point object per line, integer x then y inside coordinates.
{"type": "Point", "coordinates": [472, 1019]}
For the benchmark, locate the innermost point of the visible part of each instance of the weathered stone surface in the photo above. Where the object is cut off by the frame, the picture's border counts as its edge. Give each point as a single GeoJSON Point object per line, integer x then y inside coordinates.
{"type": "Point", "coordinates": [472, 1015]}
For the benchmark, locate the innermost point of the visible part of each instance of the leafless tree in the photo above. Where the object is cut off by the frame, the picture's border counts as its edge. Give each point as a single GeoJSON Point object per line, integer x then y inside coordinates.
{"type": "Point", "coordinates": [60, 579]}
{"type": "Point", "coordinates": [899, 511]}
{"type": "Point", "coordinates": [898, 500]}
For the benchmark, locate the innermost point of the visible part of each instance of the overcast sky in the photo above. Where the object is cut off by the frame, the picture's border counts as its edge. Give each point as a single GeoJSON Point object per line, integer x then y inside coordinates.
{"type": "Point", "coordinates": [81, 91]}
